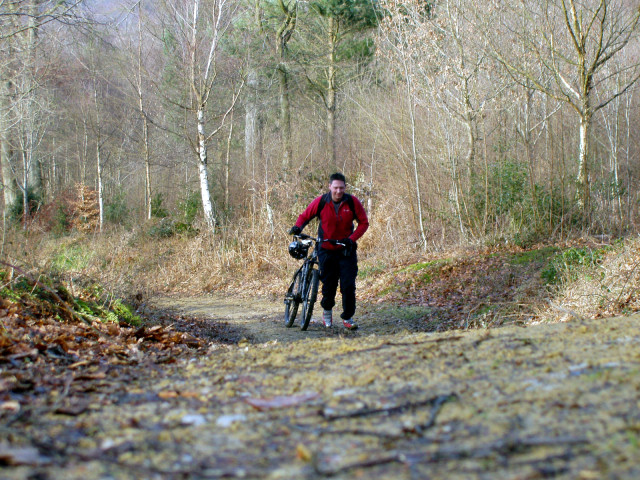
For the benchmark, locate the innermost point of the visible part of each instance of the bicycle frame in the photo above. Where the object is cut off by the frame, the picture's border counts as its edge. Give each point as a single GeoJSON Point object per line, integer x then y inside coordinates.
{"type": "Point", "coordinates": [304, 285]}
{"type": "Point", "coordinates": [308, 264]}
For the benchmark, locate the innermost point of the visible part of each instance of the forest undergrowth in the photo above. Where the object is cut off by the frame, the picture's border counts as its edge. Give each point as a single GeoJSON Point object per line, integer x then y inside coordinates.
{"type": "Point", "coordinates": [459, 287]}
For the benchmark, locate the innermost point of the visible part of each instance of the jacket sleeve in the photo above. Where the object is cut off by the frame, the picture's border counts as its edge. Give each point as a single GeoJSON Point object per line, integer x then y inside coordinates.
{"type": "Point", "coordinates": [309, 214]}
{"type": "Point", "coordinates": [361, 218]}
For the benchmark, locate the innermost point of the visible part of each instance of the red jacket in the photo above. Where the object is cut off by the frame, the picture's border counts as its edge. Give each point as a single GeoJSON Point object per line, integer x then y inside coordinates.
{"type": "Point", "coordinates": [336, 226]}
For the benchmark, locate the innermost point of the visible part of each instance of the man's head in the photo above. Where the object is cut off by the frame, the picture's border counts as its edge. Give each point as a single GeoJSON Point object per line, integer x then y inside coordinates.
{"type": "Point", "coordinates": [337, 184]}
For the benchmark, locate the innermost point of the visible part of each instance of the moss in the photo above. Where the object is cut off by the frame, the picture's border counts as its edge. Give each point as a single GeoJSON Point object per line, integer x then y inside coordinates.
{"type": "Point", "coordinates": [533, 256]}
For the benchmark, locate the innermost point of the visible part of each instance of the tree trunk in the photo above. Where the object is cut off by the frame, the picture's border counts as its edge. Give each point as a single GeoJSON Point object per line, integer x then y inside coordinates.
{"type": "Point", "coordinates": [583, 192]}
{"type": "Point", "coordinates": [253, 123]}
{"type": "Point", "coordinates": [282, 38]}
{"type": "Point", "coordinates": [10, 190]}
{"type": "Point", "coordinates": [25, 188]}
{"type": "Point", "coordinates": [207, 205]}
{"type": "Point", "coordinates": [99, 181]}
{"type": "Point", "coordinates": [145, 122]}
{"type": "Point", "coordinates": [285, 119]}
{"type": "Point", "coordinates": [331, 93]}
{"type": "Point", "coordinates": [227, 166]}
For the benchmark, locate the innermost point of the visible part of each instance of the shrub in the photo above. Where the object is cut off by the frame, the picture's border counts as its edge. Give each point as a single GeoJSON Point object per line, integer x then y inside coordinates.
{"type": "Point", "coordinates": [568, 264]}
{"type": "Point", "coordinates": [165, 228]}
{"type": "Point", "coordinates": [157, 210]}
{"type": "Point", "coordinates": [190, 206]}
{"type": "Point", "coordinates": [116, 211]}
{"type": "Point", "coordinates": [16, 210]}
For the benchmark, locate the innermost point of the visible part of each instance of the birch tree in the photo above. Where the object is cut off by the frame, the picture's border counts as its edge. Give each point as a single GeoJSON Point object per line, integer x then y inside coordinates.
{"type": "Point", "coordinates": [200, 26]}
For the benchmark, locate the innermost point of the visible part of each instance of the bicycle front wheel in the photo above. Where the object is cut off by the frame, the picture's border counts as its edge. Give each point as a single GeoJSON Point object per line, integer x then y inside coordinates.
{"type": "Point", "coordinates": [292, 299]}
{"type": "Point", "coordinates": [309, 298]}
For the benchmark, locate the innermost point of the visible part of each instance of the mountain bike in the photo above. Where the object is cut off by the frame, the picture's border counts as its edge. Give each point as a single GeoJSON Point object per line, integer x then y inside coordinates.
{"type": "Point", "coordinates": [304, 286]}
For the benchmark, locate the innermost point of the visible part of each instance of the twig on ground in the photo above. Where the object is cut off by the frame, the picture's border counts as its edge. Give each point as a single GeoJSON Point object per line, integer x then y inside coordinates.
{"type": "Point", "coordinates": [402, 344]}
{"type": "Point", "coordinates": [565, 310]}
{"type": "Point", "coordinates": [502, 447]}
{"type": "Point", "coordinates": [420, 429]}
{"type": "Point", "coordinates": [365, 412]}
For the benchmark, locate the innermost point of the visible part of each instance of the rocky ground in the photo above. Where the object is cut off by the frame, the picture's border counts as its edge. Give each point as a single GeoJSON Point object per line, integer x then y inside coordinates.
{"type": "Point", "coordinates": [252, 399]}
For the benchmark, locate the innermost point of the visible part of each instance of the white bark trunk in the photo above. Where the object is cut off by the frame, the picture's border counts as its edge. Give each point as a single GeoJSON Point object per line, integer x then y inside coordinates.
{"type": "Point", "coordinates": [145, 122]}
{"type": "Point", "coordinates": [583, 171]}
{"type": "Point", "coordinates": [100, 192]}
{"type": "Point", "coordinates": [207, 205]}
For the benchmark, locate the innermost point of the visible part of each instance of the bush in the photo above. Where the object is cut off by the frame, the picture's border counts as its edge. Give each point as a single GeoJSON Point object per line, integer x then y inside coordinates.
{"type": "Point", "coordinates": [116, 210]}
{"type": "Point", "coordinates": [16, 210]}
{"type": "Point", "coordinates": [165, 228]}
{"type": "Point", "coordinates": [157, 210]}
{"type": "Point", "coordinates": [568, 264]}
{"type": "Point", "coordinates": [61, 223]}
{"type": "Point", "coordinates": [190, 207]}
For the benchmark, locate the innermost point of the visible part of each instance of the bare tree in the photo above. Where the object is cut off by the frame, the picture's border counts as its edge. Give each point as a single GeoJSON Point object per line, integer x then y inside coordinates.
{"type": "Point", "coordinates": [199, 35]}
{"type": "Point", "coordinates": [20, 77]}
{"type": "Point", "coordinates": [283, 35]}
{"type": "Point", "coordinates": [572, 41]}
{"type": "Point", "coordinates": [145, 120]}
{"type": "Point", "coordinates": [446, 69]}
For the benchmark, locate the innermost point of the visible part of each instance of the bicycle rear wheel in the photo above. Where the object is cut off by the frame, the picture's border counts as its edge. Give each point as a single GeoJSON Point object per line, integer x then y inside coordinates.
{"type": "Point", "coordinates": [292, 299]}
{"type": "Point", "coordinates": [310, 298]}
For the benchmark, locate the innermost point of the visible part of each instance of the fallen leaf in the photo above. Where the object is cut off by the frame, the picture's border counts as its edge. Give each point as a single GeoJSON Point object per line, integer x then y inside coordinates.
{"type": "Point", "coordinates": [303, 453]}
{"type": "Point", "coordinates": [168, 394]}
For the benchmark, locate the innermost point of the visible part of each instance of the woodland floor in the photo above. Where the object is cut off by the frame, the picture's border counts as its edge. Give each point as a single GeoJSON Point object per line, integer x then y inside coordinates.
{"type": "Point", "coordinates": [244, 397]}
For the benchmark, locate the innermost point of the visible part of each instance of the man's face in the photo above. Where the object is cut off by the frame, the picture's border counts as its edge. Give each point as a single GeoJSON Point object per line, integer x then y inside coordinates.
{"type": "Point", "coordinates": [336, 188]}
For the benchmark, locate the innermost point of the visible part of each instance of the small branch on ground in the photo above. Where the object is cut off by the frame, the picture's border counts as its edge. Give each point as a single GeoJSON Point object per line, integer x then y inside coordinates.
{"type": "Point", "coordinates": [365, 412]}
{"type": "Point", "coordinates": [502, 447]}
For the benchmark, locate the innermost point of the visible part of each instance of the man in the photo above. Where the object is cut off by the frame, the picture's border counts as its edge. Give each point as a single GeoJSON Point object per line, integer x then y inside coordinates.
{"type": "Point", "coordinates": [337, 210]}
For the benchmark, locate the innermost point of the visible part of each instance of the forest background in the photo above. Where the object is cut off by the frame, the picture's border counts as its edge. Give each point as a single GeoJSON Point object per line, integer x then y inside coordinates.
{"type": "Point", "coordinates": [184, 137]}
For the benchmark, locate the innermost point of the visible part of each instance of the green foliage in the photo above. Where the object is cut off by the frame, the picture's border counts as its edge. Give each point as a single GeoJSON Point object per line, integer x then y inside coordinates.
{"type": "Point", "coordinates": [357, 14]}
{"type": "Point", "coordinates": [410, 313]}
{"type": "Point", "coordinates": [533, 256]}
{"type": "Point", "coordinates": [125, 313]}
{"type": "Point", "coordinates": [17, 209]}
{"type": "Point", "coordinates": [190, 206]}
{"type": "Point", "coordinates": [91, 303]}
{"type": "Point", "coordinates": [366, 271]}
{"type": "Point", "coordinates": [157, 210]}
{"type": "Point", "coordinates": [70, 258]}
{"type": "Point", "coordinates": [116, 210]}
{"type": "Point", "coordinates": [165, 228]}
{"type": "Point", "coordinates": [571, 262]}
{"type": "Point", "coordinates": [506, 184]}
{"type": "Point", "coordinates": [428, 270]}
{"type": "Point", "coordinates": [61, 222]}
{"type": "Point", "coordinates": [515, 210]}
{"type": "Point", "coordinates": [169, 226]}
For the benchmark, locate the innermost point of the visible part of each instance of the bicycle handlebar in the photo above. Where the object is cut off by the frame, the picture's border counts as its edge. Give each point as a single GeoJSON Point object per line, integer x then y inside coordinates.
{"type": "Point", "coordinates": [303, 236]}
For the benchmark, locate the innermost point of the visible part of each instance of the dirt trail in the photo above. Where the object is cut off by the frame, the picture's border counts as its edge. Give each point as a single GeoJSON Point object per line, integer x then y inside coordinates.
{"type": "Point", "coordinates": [546, 401]}
{"type": "Point", "coordinates": [260, 320]}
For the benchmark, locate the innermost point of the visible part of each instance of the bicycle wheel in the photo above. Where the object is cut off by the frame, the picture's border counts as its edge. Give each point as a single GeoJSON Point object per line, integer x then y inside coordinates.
{"type": "Point", "coordinates": [292, 299]}
{"type": "Point", "coordinates": [310, 298]}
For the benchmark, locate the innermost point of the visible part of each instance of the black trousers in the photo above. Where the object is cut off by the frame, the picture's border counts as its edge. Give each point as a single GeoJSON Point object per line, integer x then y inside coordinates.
{"type": "Point", "coordinates": [336, 268]}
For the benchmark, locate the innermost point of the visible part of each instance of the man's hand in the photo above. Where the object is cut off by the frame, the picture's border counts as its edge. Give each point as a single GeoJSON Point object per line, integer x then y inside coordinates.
{"type": "Point", "coordinates": [295, 230]}
{"type": "Point", "coordinates": [349, 245]}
